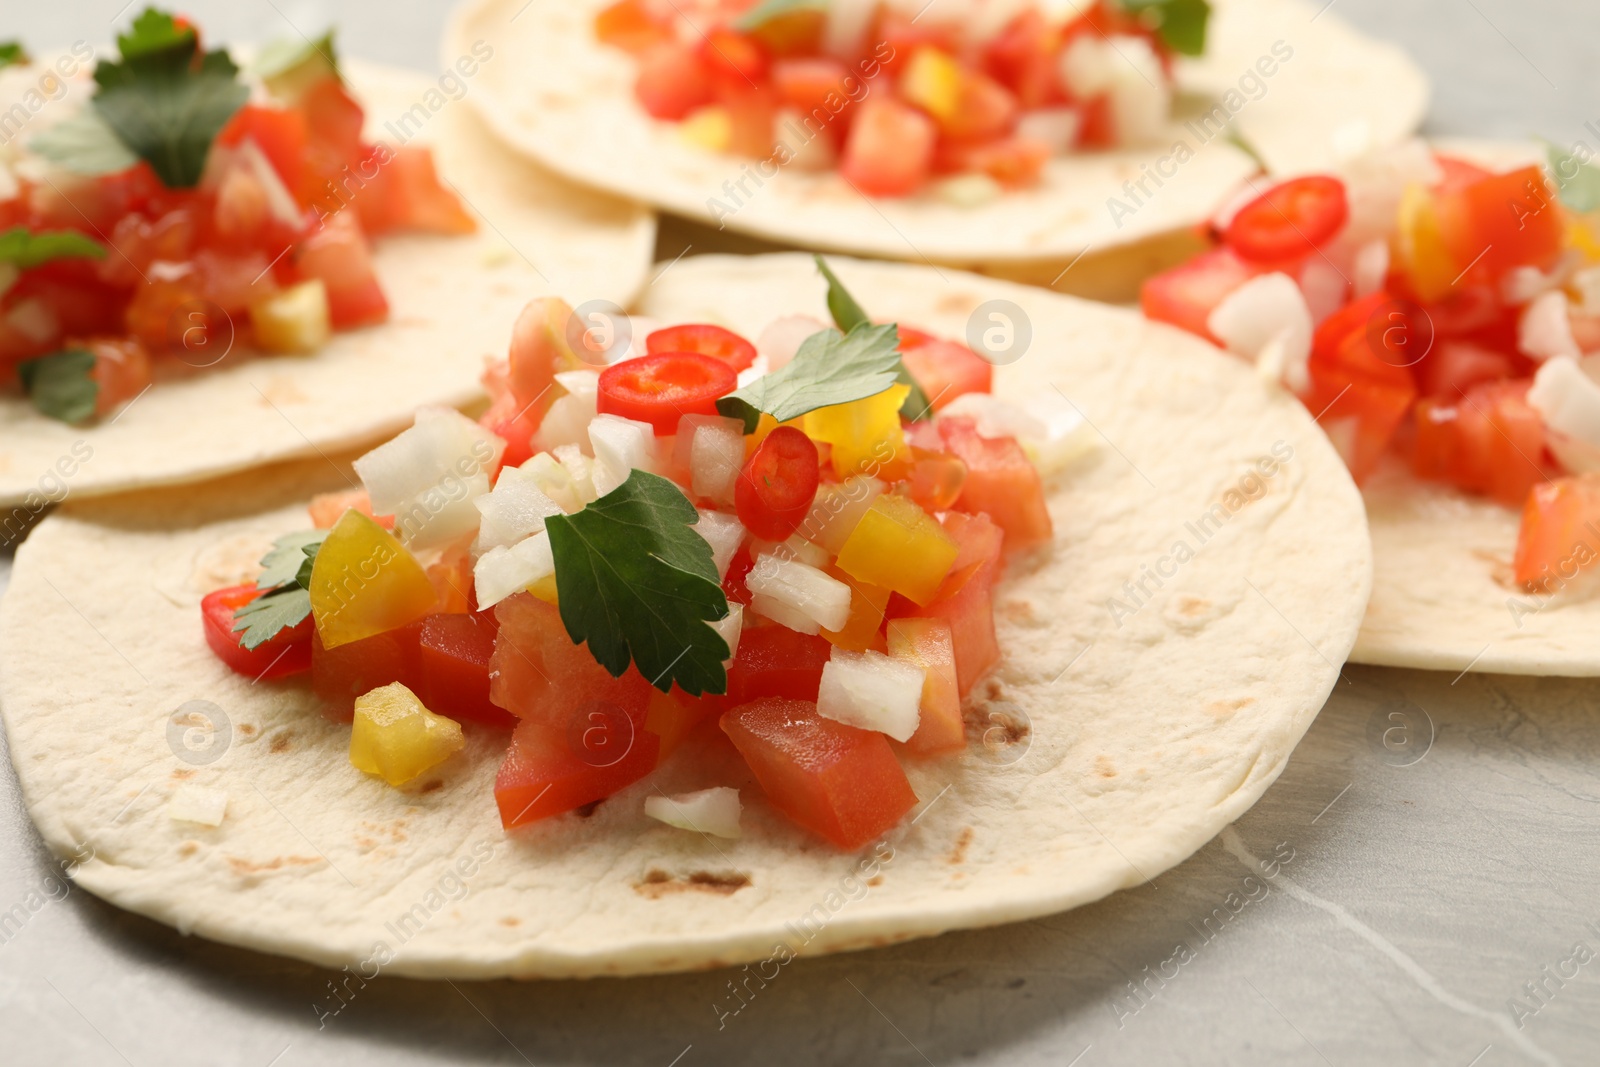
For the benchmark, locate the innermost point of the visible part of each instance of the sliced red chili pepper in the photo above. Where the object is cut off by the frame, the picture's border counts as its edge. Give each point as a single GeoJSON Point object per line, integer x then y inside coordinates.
{"type": "Point", "coordinates": [705, 339]}
{"type": "Point", "coordinates": [1289, 220]}
{"type": "Point", "coordinates": [778, 484]}
{"type": "Point", "coordinates": [661, 389]}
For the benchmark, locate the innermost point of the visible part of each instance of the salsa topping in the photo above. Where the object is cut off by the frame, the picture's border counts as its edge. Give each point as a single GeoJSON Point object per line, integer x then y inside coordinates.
{"type": "Point", "coordinates": [626, 570]}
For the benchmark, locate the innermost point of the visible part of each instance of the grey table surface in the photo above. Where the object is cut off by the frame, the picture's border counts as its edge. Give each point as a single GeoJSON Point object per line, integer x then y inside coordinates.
{"type": "Point", "coordinates": [1431, 854]}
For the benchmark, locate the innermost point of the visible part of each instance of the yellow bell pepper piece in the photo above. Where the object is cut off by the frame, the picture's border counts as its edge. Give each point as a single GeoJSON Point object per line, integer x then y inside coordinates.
{"type": "Point", "coordinates": [867, 606]}
{"type": "Point", "coordinates": [1583, 233]}
{"type": "Point", "coordinates": [293, 320]}
{"type": "Point", "coordinates": [1419, 246]}
{"type": "Point", "coordinates": [710, 128]}
{"type": "Point", "coordinates": [932, 81]}
{"type": "Point", "coordinates": [900, 547]}
{"type": "Point", "coordinates": [865, 434]}
{"type": "Point", "coordinates": [545, 589]}
{"type": "Point", "coordinates": [396, 738]}
{"type": "Point", "coordinates": [364, 582]}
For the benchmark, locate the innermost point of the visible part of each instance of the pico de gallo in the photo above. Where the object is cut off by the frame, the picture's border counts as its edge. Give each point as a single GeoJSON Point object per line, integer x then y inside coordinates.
{"type": "Point", "coordinates": [895, 96]}
{"type": "Point", "coordinates": [612, 559]}
{"type": "Point", "coordinates": [1427, 308]}
{"type": "Point", "coordinates": [181, 211]}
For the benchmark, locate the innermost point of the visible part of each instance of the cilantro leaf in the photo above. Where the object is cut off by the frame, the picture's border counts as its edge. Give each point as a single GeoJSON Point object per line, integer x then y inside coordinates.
{"type": "Point", "coordinates": [847, 314]}
{"type": "Point", "coordinates": [636, 582]}
{"type": "Point", "coordinates": [286, 577]}
{"type": "Point", "coordinates": [266, 616]}
{"type": "Point", "coordinates": [830, 368]}
{"type": "Point", "coordinates": [1181, 24]}
{"type": "Point", "coordinates": [12, 52]}
{"type": "Point", "coordinates": [26, 250]}
{"type": "Point", "coordinates": [768, 10]}
{"type": "Point", "coordinates": [84, 144]}
{"type": "Point", "coordinates": [1578, 182]}
{"type": "Point", "coordinates": [288, 555]}
{"type": "Point", "coordinates": [61, 385]}
{"type": "Point", "coordinates": [166, 100]}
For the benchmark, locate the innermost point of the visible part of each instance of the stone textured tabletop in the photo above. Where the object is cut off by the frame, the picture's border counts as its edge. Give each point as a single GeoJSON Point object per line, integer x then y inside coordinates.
{"type": "Point", "coordinates": [1420, 886]}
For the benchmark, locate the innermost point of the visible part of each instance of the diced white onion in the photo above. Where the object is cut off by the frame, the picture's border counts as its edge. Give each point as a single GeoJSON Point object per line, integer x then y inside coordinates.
{"type": "Point", "coordinates": [1375, 182]}
{"type": "Point", "coordinates": [516, 509]}
{"type": "Point", "coordinates": [872, 691]}
{"type": "Point", "coordinates": [1055, 126]}
{"type": "Point", "coordinates": [797, 595]}
{"type": "Point", "coordinates": [845, 29]}
{"type": "Point", "coordinates": [783, 337]}
{"type": "Point", "coordinates": [197, 804]}
{"type": "Point", "coordinates": [993, 417]}
{"type": "Point", "coordinates": [729, 627]}
{"type": "Point", "coordinates": [1267, 316]}
{"type": "Point", "coordinates": [724, 533]}
{"type": "Point", "coordinates": [555, 481]}
{"type": "Point", "coordinates": [620, 447]}
{"type": "Point", "coordinates": [1568, 399]}
{"type": "Point", "coordinates": [441, 443]}
{"type": "Point", "coordinates": [711, 449]}
{"type": "Point", "coordinates": [806, 150]}
{"type": "Point", "coordinates": [1323, 288]}
{"type": "Point", "coordinates": [968, 190]}
{"type": "Point", "coordinates": [796, 547]}
{"type": "Point", "coordinates": [712, 811]}
{"type": "Point", "coordinates": [838, 510]}
{"type": "Point", "coordinates": [1371, 269]}
{"type": "Point", "coordinates": [1140, 96]}
{"type": "Point", "coordinates": [502, 571]}
{"type": "Point", "coordinates": [33, 318]}
{"type": "Point", "coordinates": [1545, 330]}
{"type": "Point", "coordinates": [580, 468]}
{"type": "Point", "coordinates": [567, 420]}
{"type": "Point", "coordinates": [1068, 436]}
{"type": "Point", "coordinates": [1087, 66]}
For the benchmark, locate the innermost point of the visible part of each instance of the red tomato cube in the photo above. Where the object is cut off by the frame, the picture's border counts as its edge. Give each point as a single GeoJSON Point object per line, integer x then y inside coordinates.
{"type": "Point", "coordinates": [966, 599]}
{"type": "Point", "coordinates": [339, 675]}
{"type": "Point", "coordinates": [775, 661]}
{"type": "Point", "coordinates": [1025, 59]}
{"type": "Point", "coordinates": [338, 254]}
{"type": "Point", "coordinates": [1453, 367]}
{"type": "Point", "coordinates": [1186, 294]}
{"type": "Point", "coordinates": [1559, 535]}
{"type": "Point", "coordinates": [841, 783]}
{"type": "Point", "coordinates": [673, 80]}
{"type": "Point", "coordinates": [1503, 221]}
{"type": "Point", "coordinates": [552, 769]}
{"type": "Point", "coordinates": [537, 672]}
{"type": "Point", "coordinates": [1001, 482]}
{"type": "Point", "coordinates": [928, 643]}
{"type": "Point", "coordinates": [890, 148]}
{"type": "Point", "coordinates": [633, 25]}
{"type": "Point", "coordinates": [945, 369]}
{"type": "Point", "coordinates": [454, 653]}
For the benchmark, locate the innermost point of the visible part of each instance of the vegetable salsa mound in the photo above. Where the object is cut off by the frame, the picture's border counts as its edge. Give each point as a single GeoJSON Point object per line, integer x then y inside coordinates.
{"type": "Point", "coordinates": [181, 209]}
{"type": "Point", "coordinates": [622, 553]}
{"type": "Point", "coordinates": [1435, 311]}
{"type": "Point", "coordinates": [894, 95]}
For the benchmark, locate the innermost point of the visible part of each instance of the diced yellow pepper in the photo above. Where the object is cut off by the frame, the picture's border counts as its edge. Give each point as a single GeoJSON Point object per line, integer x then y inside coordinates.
{"type": "Point", "coordinates": [1419, 246]}
{"type": "Point", "coordinates": [545, 589]}
{"type": "Point", "coordinates": [292, 320]}
{"type": "Point", "coordinates": [865, 434]}
{"type": "Point", "coordinates": [900, 547]}
{"type": "Point", "coordinates": [364, 582]}
{"type": "Point", "coordinates": [932, 81]}
{"type": "Point", "coordinates": [396, 738]}
{"type": "Point", "coordinates": [671, 716]}
{"type": "Point", "coordinates": [867, 604]}
{"type": "Point", "coordinates": [1583, 233]}
{"type": "Point", "coordinates": [710, 128]}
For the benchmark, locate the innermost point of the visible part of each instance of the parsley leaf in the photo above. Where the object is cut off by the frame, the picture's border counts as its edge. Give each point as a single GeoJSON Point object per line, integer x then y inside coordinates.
{"type": "Point", "coordinates": [636, 582]}
{"type": "Point", "coordinates": [12, 52]}
{"type": "Point", "coordinates": [286, 574]}
{"type": "Point", "coordinates": [768, 10]}
{"type": "Point", "coordinates": [61, 385]}
{"type": "Point", "coordinates": [1181, 24]}
{"type": "Point", "coordinates": [26, 250]}
{"type": "Point", "coordinates": [830, 368]}
{"type": "Point", "coordinates": [847, 314]}
{"type": "Point", "coordinates": [1577, 182]}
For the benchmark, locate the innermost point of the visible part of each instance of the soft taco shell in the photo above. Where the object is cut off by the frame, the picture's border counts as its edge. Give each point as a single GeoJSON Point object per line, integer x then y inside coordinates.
{"type": "Point", "coordinates": [452, 302]}
{"type": "Point", "coordinates": [567, 100]}
{"type": "Point", "coordinates": [1102, 752]}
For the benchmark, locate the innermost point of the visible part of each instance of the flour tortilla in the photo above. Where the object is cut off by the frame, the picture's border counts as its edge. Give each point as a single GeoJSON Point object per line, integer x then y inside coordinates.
{"type": "Point", "coordinates": [1101, 754]}
{"type": "Point", "coordinates": [452, 302]}
{"type": "Point", "coordinates": [566, 100]}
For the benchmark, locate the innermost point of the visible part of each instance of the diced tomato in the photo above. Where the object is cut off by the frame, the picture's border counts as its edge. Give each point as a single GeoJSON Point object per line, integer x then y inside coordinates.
{"type": "Point", "coordinates": [280, 133]}
{"type": "Point", "coordinates": [1014, 162]}
{"type": "Point", "coordinates": [334, 121]}
{"type": "Point", "coordinates": [816, 86]}
{"type": "Point", "coordinates": [944, 369]}
{"type": "Point", "coordinates": [1000, 482]}
{"type": "Point", "coordinates": [1457, 173]}
{"type": "Point", "coordinates": [752, 113]}
{"type": "Point", "coordinates": [1290, 220]}
{"type": "Point", "coordinates": [673, 80]}
{"type": "Point", "coordinates": [661, 389]}
{"type": "Point", "coordinates": [513, 423]}
{"type": "Point", "coordinates": [775, 661]}
{"type": "Point", "coordinates": [553, 769]}
{"type": "Point", "coordinates": [1434, 444]}
{"type": "Point", "coordinates": [340, 674]}
{"type": "Point", "coordinates": [1503, 221]}
{"type": "Point", "coordinates": [889, 149]}
{"type": "Point", "coordinates": [705, 339]}
{"type": "Point", "coordinates": [338, 255]}
{"type": "Point", "coordinates": [1452, 367]}
{"type": "Point", "coordinates": [928, 644]}
{"type": "Point", "coordinates": [674, 715]}
{"type": "Point", "coordinates": [965, 600]}
{"type": "Point", "coordinates": [634, 26]}
{"type": "Point", "coordinates": [539, 673]}
{"type": "Point", "coordinates": [777, 485]}
{"type": "Point", "coordinates": [1358, 393]}
{"type": "Point", "coordinates": [1499, 448]}
{"type": "Point", "coordinates": [896, 35]}
{"type": "Point", "coordinates": [1186, 295]}
{"type": "Point", "coordinates": [286, 652]}
{"type": "Point", "coordinates": [841, 783]}
{"type": "Point", "coordinates": [415, 198]}
{"type": "Point", "coordinates": [739, 568]}
{"type": "Point", "coordinates": [1097, 126]}
{"type": "Point", "coordinates": [454, 653]}
{"type": "Point", "coordinates": [1560, 533]}
{"type": "Point", "coordinates": [734, 58]}
{"type": "Point", "coordinates": [936, 479]}
{"type": "Point", "coordinates": [325, 508]}
{"type": "Point", "coordinates": [1025, 58]}
{"type": "Point", "coordinates": [121, 371]}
